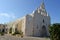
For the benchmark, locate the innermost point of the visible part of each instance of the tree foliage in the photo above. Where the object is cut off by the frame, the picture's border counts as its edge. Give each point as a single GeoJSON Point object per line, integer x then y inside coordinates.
{"type": "Point", "coordinates": [54, 31]}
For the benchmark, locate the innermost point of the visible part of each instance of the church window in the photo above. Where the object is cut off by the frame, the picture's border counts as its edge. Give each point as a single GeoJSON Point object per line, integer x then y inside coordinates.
{"type": "Point", "coordinates": [43, 20]}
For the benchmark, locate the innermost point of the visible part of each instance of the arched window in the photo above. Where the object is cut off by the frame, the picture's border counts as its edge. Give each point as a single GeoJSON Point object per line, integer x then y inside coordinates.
{"type": "Point", "coordinates": [43, 20]}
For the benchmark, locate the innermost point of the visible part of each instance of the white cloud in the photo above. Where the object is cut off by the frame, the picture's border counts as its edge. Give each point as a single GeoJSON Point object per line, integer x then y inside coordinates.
{"type": "Point", "coordinates": [7, 15]}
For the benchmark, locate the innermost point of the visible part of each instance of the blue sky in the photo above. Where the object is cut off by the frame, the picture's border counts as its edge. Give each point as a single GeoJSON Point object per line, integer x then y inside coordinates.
{"type": "Point", "coordinates": [12, 9]}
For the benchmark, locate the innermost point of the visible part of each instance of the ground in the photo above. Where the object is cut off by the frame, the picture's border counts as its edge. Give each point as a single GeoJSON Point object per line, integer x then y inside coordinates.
{"type": "Point", "coordinates": [9, 37]}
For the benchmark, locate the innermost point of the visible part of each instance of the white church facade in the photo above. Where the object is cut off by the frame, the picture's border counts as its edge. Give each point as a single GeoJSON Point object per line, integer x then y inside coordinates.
{"type": "Point", "coordinates": [35, 24]}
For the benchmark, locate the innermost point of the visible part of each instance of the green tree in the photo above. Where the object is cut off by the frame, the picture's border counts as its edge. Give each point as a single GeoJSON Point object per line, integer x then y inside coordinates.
{"type": "Point", "coordinates": [54, 31]}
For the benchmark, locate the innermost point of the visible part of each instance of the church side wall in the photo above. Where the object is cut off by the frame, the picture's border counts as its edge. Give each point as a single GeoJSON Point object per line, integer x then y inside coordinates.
{"type": "Point", "coordinates": [29, 27]}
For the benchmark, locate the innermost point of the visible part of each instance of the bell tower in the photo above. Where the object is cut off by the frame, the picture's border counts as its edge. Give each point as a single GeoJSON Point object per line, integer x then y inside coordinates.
{"type": "Point", "coordinates": [42, 9]}
{"type": "Point", "coordinates": [42, 6]}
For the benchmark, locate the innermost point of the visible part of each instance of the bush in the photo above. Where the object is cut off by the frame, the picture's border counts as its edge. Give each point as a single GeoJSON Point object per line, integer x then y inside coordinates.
{"type": "Point", "coordinates": [1, 33]}
{"type": "Point", "coordinates": [54, 32]}
{"type": "Point", "coordinates": [17, 32]}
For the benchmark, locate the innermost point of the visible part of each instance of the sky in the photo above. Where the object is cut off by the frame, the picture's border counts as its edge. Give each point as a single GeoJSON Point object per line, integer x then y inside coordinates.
{"type": "Point", "coordinates": [11, 10]}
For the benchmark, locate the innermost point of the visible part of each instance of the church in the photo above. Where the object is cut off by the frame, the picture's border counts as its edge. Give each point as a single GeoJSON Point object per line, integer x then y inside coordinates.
{"type": "Point", "coordinates": [35, 24]}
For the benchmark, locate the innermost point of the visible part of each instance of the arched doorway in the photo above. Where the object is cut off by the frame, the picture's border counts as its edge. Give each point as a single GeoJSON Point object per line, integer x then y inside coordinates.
{"type": "Point", "coordinates": [44, 32]}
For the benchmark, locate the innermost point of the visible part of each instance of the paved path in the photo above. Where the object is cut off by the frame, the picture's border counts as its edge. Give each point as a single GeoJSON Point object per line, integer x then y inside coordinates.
{"type": "Point", "coordinates": [8, 37]}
